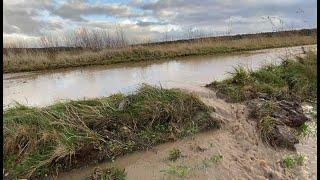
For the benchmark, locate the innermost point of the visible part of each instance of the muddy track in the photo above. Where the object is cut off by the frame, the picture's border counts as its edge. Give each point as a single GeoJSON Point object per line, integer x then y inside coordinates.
{"type": "Point", "coordinates": [245, 156]}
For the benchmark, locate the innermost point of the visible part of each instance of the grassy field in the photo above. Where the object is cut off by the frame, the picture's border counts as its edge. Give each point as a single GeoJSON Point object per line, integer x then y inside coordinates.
{"type": "Point", "coordinates": [33, 59]}
{"type": "Point", "coordinates": [62, 136]}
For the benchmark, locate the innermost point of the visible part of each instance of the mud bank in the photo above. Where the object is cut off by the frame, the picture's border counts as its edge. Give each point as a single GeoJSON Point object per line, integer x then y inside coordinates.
{"type": "Point", "coordinates": [43, 141]}
{"type": "Point", "coordinates": [257, 140]}
{"type": "Point", "coordinates": [244, 154]}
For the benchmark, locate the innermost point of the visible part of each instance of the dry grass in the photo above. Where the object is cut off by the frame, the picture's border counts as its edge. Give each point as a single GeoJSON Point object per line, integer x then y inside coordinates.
{"type": "Point", "coordinates": [31, 60]}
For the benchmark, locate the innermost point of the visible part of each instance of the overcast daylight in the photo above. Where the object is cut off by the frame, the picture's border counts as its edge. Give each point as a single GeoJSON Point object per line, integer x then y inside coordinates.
{"type": "Point", "coordinates": [159, 89]}
{"type": "Point", "coordinates": [144, 19]}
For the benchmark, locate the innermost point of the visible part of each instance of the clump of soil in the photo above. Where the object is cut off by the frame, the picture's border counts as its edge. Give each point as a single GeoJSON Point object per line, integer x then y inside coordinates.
{"type": "Point", "coordinates": [278, 121]}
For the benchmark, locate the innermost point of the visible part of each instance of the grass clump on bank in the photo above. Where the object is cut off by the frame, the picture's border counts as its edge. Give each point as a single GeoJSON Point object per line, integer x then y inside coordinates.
{"type": "Point", "coordinates": [180, 171]}
{"type": "Point", "coordinates": [288, 162]}
{"type": "Point", "coordinates": [273, 95]}
{"type": "Point", "coordinates": [174, 154]}
{"type": "Point", "coordinates": [207, 162]}
{"type": "Point", "coordinates": [40, 141]}
{"type": "Point", "coordinates": [216, 157]}
{"type": "Point", "coordinates": [266, 127]}
{"type": "Point", "coordinates": [291, 161]}
{"type": "Point", "coordinates": [291, 80]}
{"type": "Point", "coordinates": [112, 173]}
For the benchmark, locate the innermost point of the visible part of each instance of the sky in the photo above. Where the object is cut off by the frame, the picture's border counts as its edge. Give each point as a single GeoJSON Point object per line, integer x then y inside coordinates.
{"type": "Point", "coordinates": [153, 19]}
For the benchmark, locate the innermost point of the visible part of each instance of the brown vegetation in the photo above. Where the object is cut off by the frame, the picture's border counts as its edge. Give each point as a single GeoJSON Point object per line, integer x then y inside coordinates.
{"type": "Point", "coordinates": [89, 48]}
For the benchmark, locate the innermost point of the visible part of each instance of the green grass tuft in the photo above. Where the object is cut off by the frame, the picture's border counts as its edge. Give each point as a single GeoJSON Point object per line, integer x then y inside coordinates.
{"type": "Point", "coordinates": [300, 159]}
{"type": "Point", "coordinates": [197, 148]}
{"type": "Point", "coordinates": [266, 127]}
{"type": "Point", "coordinates": [174, 154]}
{"type": "Point", "coordinates": [288, 161]}
{"type": "Point", "coordinates": [180, 171]}
{"type": "Point", "coordinates": [291, 80]}
{"type": "Point", "coordinates": [306, 130]}
{"type": "Point", "coordinates": [216, 157]}
{"type": "Point", "coordinates": [112, 173]}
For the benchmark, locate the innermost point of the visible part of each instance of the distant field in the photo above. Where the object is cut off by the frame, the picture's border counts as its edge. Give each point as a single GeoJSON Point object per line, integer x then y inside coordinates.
{"type": "Point", "coordinates": [23, 59]}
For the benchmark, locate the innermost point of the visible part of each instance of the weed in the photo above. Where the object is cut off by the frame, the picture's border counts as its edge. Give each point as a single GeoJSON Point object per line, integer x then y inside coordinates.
{"type": "Point", "coordinates": [313, 111]}
{"type": "Point", "coordinates": [216, 157]}
{"type": "Point", "coordinates": [266, 127]}
{"type": "Point", "coordinates": [193, 129]}
{"type": "Point", "coordinates": [112, 173]}
{"type": "Point", "coordinates": [160, 128]}
{"type": "Point", "coordinates": [267, 109]}
{"type": "Point", "coordinates": [313, 114]}
{"type": "Point", "coordinates": [288, 161]}
{"type": "Point", "coordinates": [180, 171]}
{"type": "Point", "coordinates": [300, 159]}
{"type": "Point", "coordinates": [197, 148]}
{"type": "Point", "coordinates": [307, 129]}
{"type": "Point", "coordinates": [205, 164]}
{"type": "Point", "coordinates": [304, 130]}
{"type": "Point", "coordinates": [240, 76]}
{"type": "Point", "coordinates": [174, 154]}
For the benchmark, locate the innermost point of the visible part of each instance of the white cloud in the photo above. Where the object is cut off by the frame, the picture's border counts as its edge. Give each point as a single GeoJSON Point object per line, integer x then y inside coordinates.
{"type": "Point", "coordinates": [141, 19]}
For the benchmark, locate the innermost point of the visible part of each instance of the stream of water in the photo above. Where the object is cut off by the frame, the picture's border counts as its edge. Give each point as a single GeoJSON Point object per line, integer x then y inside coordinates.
{"type": "Point", "coordinates": [44, 88]}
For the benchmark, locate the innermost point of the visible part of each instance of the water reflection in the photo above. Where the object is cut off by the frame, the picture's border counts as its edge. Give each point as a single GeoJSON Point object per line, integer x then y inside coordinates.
{"type": "Point", "coordinates": [44, 88]}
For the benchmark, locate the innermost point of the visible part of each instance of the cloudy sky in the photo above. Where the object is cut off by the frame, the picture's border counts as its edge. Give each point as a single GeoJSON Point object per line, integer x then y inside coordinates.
{"type": "Point", "coordinates": [152, 19]}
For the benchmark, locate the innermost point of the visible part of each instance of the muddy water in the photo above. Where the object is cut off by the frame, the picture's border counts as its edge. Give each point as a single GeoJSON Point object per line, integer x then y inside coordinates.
{"type": "Point", "coordinates": [39, 89]}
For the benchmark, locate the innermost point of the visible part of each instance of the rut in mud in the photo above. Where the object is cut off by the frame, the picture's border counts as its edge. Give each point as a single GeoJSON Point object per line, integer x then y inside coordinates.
{"type": "Point", "coordinates": [243, 154]}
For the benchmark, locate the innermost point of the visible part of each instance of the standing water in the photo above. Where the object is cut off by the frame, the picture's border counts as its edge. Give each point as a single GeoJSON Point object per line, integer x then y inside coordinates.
{"type": "Point", "coordinates": [44, 88]}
